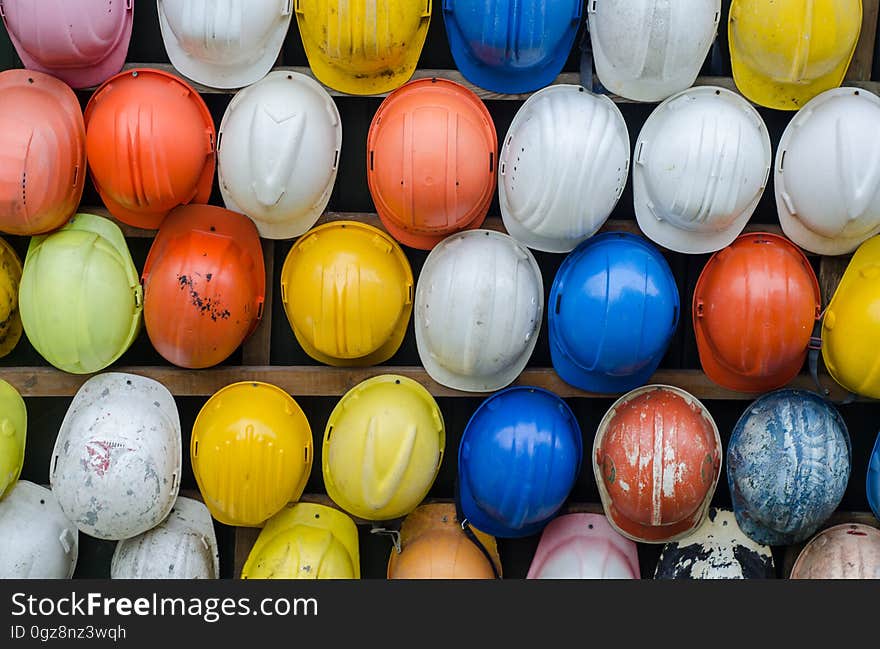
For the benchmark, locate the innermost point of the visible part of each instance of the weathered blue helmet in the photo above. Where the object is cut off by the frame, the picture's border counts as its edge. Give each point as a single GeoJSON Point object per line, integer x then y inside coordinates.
{"type": "Point", "coordinates": [873, 481]}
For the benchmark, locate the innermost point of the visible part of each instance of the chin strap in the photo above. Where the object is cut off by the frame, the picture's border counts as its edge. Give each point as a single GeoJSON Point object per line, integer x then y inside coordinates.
{"type": "Point", "coordinates": [469, 533]}
{"type": "Point", "coordinates": [390, 532]}
{"type": "Point", "coordinates": [813, 356]}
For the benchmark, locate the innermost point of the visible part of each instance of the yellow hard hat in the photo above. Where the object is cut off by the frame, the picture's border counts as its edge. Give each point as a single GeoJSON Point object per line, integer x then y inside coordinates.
{"type": "Point", "coordinates": [852, 324]}
{"type": "Point", "coordinates": [347, 289]}
{"type": "Point", "coordinates": [251, 452]}
{"type": "Point", "coordinates": [383, 447]}
{"type": "Point", "coordinates": [13, 433]}
{"type": "Point", "coordinates": [10, 278]}
{"type": "Point", "coordinates": [305, 541]}
{"type": "Point", "coordinates": [363, 47]}
{"type": "Point", "coordinates": [786, 52]}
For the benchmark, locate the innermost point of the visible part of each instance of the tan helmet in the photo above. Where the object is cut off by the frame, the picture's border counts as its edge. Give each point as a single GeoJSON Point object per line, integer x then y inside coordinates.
{"type": "Point", "coordinates": [849, 551]}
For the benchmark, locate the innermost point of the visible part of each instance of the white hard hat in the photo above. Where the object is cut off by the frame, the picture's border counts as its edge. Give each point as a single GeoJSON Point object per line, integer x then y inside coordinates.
{"type": "Point", "coordinates": [563, 167]}
{"type": "Point", "coordinates": [647, 50]}
{"type": "Point", "coordinates": [828, 172]}
{"type": "Point", "coordinates": [116, 465]}
{"type": "Point", "coordinates": [278, 152]}
{"type": "Point", "coordinates": [183, 546]}
{"type": "Point", "coordinates": [700, 167]}
{"type": "Point", "coordinates": [224, 43]}
{"type": "Point", "coordinates": [479, 303]}
{"type": "Point", "coordinates": [37, 541]}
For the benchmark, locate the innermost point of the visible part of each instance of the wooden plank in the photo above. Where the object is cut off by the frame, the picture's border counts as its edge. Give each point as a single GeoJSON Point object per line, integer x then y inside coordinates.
{"type": "Point", "coordinates": [831, 270]}
{"type": "Point", "coordinates": [838, 518]}
{"type": "Point", "coordinates": [257, 349]}
{"type": "Point", "coordinates": [863, 59]}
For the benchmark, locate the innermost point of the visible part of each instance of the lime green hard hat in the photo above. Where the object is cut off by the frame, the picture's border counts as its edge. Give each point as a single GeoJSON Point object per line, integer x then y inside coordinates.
{"type": "Point", "coordinates": [13, 429]}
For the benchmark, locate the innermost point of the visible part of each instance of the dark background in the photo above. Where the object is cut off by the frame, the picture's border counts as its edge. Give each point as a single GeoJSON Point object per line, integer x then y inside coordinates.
{"type": "Point", "coordinates": [351, 195]}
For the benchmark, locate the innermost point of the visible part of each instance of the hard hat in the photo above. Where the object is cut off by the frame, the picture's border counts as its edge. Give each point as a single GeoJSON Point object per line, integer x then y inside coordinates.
{"type": "Point", "coordinates": [347, 289]}
{"type": "Point", "coordinates": [150, 143]}
{"type": "Point", "coordinates": [717, 550]}
{"type": "Point", "coordinates": [251, 452]}
{"type": "Point", "coordinates": [204, 285]}
{"type": "Point", "coordinates": [786, 52]}
{"type": "Point", "coordinates": [850, 551]}
{"type": "Point", "coordinates": [511, 47]}
{"type": "Point", "coordinates": [383, 446]}
{"type": "Point", "coordinates": [13, 435]}
{"type": "Point", "coordinates": [363, 48]}
{"type": "Point", "coordinates": [10, 318]}
{"type": "Point", "coordinates": [755, 306]}
{"type": "Point", "coordinates": [788, 464]}
{"type": "Point", "coordinates": [519, 458]}
{"type": "Point", "coordinates": [431, 154]}
{"type": "Point", "coordinates": [183, 546]}
{"type": "Point", "coordinates": [80, 298]}
{"type": "Point", "coordinates": [479, 304]}
{"type": "Point", "coordinates": [305, 541]}
{"type": "Point", "coordinates": [433, 545]}
{"type": "Point", "coordinates": [701, 164]}
{"type": "Point", "coordinates": [225, 44]}
{"type": "Point", "coordinates": [584, 546]}
{"type": "Point", "coordinates": [614, 308]}
{"type": "Point", "coordinates": [43, 139]}
{"type": "Point", "coordinates": [852, 324]}
{"type": "Point", "coordinates": [827, 175]}
{"type": "Point", "coordinates": [278, 153]}
{"type": "Point", "coordinates": [563, 167]}
{"type": "Point", "coordinates": [37, 541]}
{"type": "Point", "coordinates": [116, 464]}
{"type": "Point", "coordinates": [82, 42]}
{"type": "Point", "coordinates": [647, 50]}
{"type": "Point", "coordinates": [653, 499]}
{"type": "Point", "coordinates": [872, 483]}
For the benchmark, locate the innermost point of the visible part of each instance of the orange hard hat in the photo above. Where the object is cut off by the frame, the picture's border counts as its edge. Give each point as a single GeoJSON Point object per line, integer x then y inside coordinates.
{"type": "Point", "coordinates": [204, 285]}
{"type": "Point", "coordinates": [43, 164]}
{"type": "Point", "coordinates": [755, 307]}
{"type": "Point", "coordinates": [150, 140]}
{"type": "Point", "coordinates": [434, 546]}
{"type": "Point", "coordinates": [431, 154]}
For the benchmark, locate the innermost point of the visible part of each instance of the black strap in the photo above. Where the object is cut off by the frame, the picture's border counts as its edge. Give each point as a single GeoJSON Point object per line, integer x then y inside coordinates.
{"type": "Point", "coordinates": [813, 357]}
{"type": "Point", "coordinates": [469, 533]}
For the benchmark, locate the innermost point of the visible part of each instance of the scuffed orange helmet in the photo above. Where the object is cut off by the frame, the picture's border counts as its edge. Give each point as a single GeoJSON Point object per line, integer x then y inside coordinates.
{"type": "Point", "coordinates": [755, 307]}
{"type": "Point", "coordinates": [431, 154]}
{"type": "Point", "coordinates": [204, 285]}
{"type": "Point", "coordinates": [150, 141]}
{"type": "Point", "coordinates": [656, 459]}
{"type": "Point", "coordinates": [43, 144]}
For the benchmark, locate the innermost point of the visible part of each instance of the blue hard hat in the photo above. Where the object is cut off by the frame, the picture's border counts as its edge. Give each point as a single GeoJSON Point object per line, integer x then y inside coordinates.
{"type": "Point", "coordinates": [511, 46]}
{"type": "Point", "coordinates": [873, 481]}
{"type": "Point", "coordinates": [519, 457]}
{"type": "Point", "coordinates": [613, 309]}
{"type": "Point", "coordinates": [788, 465]}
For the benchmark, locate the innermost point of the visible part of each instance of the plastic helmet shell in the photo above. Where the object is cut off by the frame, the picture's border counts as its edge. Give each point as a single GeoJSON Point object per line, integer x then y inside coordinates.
{"type": "Point", "coordinates": [37, 541]}
{"type": "Point", "coordinates": [43, 138]}
{"type": "Point", "coordinates": [563, 167]}
{"type": "Point", "coordinates": [80, 298]}
{"type": "Point", "coordinates": [479, 304]}
{"type": "Point", "coordinates": [872, 482]}
{"type": "Point", "coordinates": [278, 153]}
{"type": "Point", "coordinates": [701, 164]}
{"type": "Point", "coordinates": [717, 550]}
{"type": "Point", "coordinates": [755, 306]}
{"type": "Point", "coordinates": [13, 435]}
{"type": "Point", "coordinates": [433, 546]}
{"type": "Point", "coordinates": [224, 43]}
{"type": "Point", "coordinates": [82, 42]}
{"type": "Point", "coordinates": [511, 47]}
{"type": "Point", "coordinates": [614, 309]}
{"type": "Point", "coordinates": [251, 452]}
{"type": "Point", "coordinates": [643, 501]}
{"type": "Point", "coordinates": [647, 50]}
{"type": "Point", "coordinates": [788, 464]}
{"type": "Point", "coordinates": [850, 551]}
{"type": "Point", "coordinates": [150, 143]}
{"type": "Point", "coordinates": [431, 156]}
{"type": "Point", "coordinates": [519, 458]}
{"type": "Point", "coordinates": [383, 446]}
{"type": "Point", "coordinates": [10, 317]}
{"type": "Point", "coordinates": [305, 541]}
{"type": "Point", "coordinates": [204, 285]}
{"type": "Point", "coordinates": [116, 464]}
{"type": "Point", "coordinates": [584, 546]}
{"type": "Point", "coordinates": [786, 52]}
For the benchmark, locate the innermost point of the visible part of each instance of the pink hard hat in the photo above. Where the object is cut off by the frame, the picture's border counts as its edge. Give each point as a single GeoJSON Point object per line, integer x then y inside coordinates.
{"type": "Point", "coordinates": [81, 42]}
{"type": "Point", "coordinates": [584, 546]}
